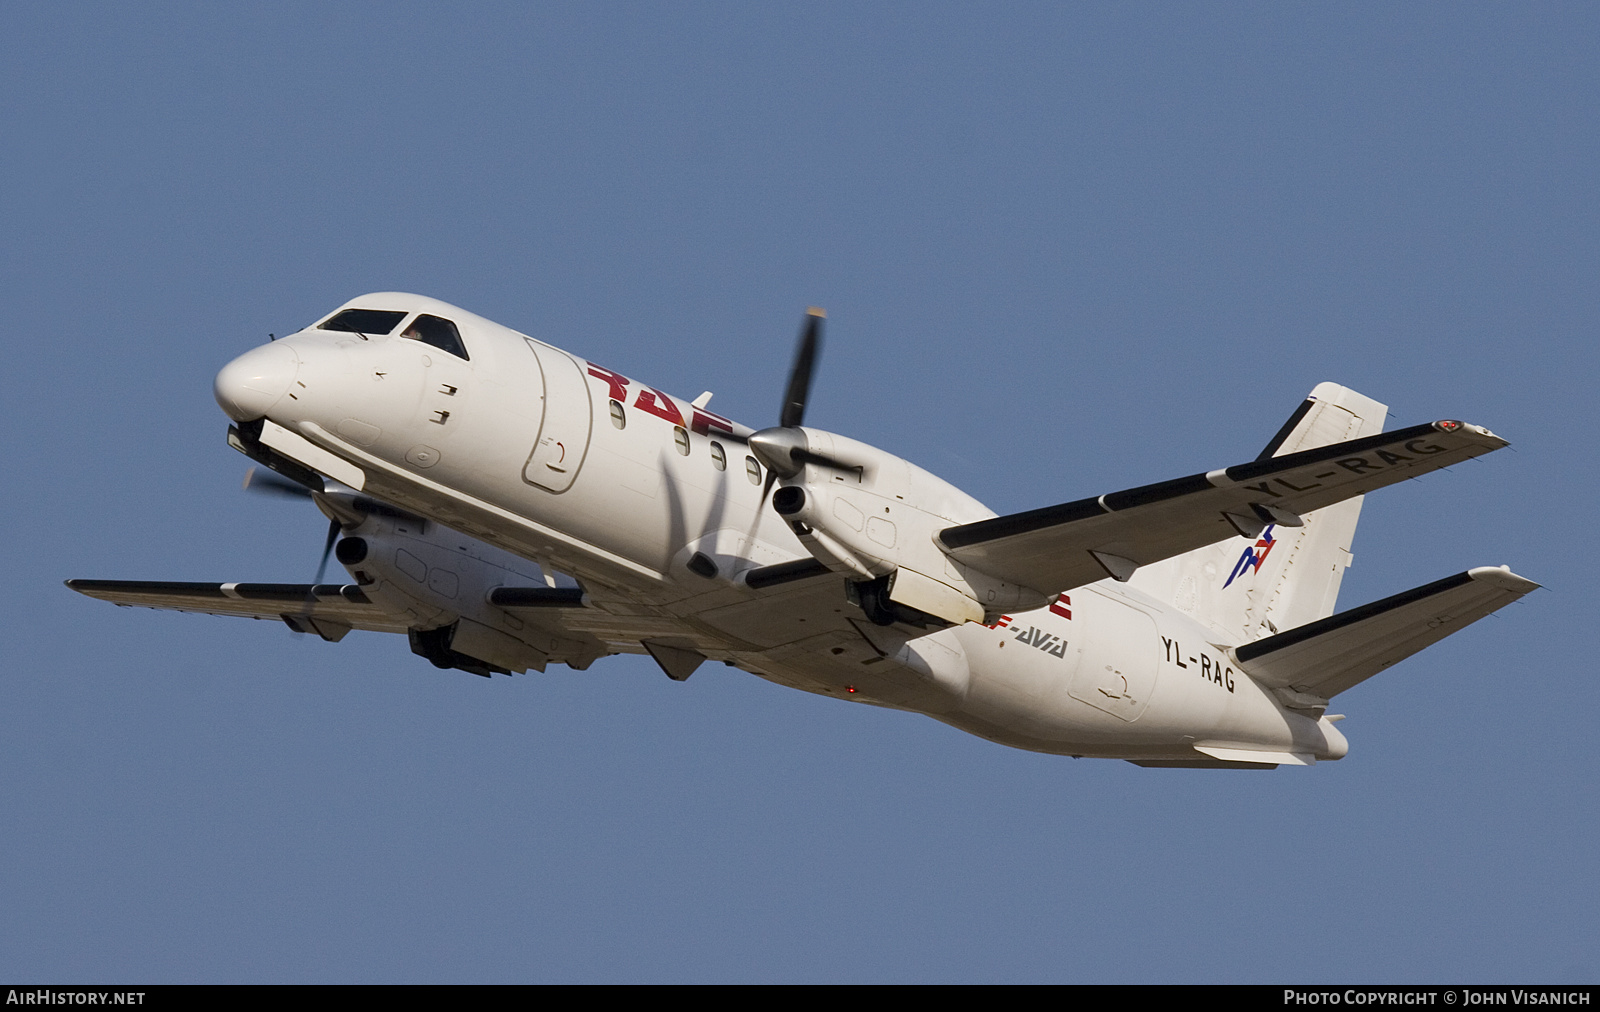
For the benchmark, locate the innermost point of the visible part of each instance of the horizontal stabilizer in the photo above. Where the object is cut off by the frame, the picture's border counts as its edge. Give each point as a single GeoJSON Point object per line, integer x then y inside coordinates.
{"type": "Point", "coordinates": [1061, 547]}
{"type": "Point", "coordinates": [1326, 657]}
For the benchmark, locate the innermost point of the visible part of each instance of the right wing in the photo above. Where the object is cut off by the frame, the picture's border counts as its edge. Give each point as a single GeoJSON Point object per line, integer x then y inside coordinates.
{"type": "Point", "coordinates": [1061, 547]}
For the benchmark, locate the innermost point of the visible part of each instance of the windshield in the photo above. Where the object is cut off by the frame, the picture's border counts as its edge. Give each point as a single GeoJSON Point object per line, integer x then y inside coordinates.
{"type": "Point", "coordinates": [439, 332]}
{"type": "Point", "coordinates": [364, 321]}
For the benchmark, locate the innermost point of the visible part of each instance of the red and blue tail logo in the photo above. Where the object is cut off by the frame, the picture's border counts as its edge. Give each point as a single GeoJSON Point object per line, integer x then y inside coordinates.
{"type": "Point", "coordinates": [1253, 556]}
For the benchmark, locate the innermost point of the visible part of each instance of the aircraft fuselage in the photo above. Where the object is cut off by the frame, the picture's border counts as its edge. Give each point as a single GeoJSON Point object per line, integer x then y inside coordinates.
{"type": "Point", "coordinates": [656, 503]}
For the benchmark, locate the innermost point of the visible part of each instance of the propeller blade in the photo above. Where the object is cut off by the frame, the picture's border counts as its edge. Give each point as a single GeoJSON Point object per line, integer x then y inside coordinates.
{"type": "Point", "coordinates": [271, 483]}
{"type": "Point", "coordinates": [327, 550]}
{"type": "Point", "coordinates": [804, 456]}
{"type": "Point", "coordinates": [805, 358]}
{"type": "Point", "coordinates": [322, 567]}
{"type": "Point", "coordinates": [766, 489]}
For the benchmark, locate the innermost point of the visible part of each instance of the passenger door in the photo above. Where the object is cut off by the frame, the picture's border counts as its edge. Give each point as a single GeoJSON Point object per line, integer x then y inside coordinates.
{"type": "Point", "coordinates": [566, 416]}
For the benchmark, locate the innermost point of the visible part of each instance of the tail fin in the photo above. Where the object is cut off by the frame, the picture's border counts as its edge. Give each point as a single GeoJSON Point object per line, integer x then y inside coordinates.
{"type": "Point", "coordinates": [1287, 576]}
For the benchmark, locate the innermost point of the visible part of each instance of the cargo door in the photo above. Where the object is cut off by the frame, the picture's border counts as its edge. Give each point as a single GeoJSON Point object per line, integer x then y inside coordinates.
{"type": "Point", "coordinates": [566, 415]}
{"type": "Point", "coordinates": [1121, 650]}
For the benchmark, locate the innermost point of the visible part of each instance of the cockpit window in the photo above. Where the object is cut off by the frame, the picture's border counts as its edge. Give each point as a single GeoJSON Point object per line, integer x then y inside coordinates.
{"type": "Point", "coordinates": [439, 332]}
{"type": "Point", "coordinates": [365, 321]}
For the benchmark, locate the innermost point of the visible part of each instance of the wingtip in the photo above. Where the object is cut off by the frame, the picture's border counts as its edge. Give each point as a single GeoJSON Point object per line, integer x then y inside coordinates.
{"type": "Point", "coordinates": [817, 311]}
{"type": "Point", "coordinates": [1448, 425]}
{"type": "Point", "coordinates": [1504, 578]}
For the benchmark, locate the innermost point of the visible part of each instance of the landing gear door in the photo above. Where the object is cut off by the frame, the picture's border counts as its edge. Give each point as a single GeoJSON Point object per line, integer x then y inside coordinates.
{"type": "Point", "coordinates": [563, 438]}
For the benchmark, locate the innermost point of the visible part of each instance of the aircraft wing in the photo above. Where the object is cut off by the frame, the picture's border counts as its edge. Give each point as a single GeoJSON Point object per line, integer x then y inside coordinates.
{"type": "Point", "coordinates": [329, 610]}
{"type": "Point", "coordinates": [1326, 657]}
{"type": "Point", "coordinates": [1061, 547]}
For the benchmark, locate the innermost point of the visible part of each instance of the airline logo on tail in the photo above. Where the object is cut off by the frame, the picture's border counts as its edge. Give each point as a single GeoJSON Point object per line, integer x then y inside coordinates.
{"type": "Point", "coordinates": [1253, 556]}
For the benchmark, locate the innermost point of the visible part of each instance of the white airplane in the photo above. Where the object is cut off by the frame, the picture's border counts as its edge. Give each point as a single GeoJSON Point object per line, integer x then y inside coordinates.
{"type": "Point", "coordinates": [507, 505]}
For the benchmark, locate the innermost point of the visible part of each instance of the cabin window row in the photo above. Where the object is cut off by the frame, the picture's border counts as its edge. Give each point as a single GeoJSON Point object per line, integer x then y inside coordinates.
{"type": "Point", "coordinates": [680, 440]}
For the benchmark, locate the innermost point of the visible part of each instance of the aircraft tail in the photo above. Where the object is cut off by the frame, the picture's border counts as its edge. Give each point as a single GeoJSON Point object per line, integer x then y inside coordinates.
{"type": "Point", "coordinates": [1286, 576]}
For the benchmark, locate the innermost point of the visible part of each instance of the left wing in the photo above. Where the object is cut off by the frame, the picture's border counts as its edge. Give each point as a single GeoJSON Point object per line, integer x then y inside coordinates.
{"type": "Point", "coordinates": [1061, 547]}
{"type": "Point", "coordinates": [329, 610]}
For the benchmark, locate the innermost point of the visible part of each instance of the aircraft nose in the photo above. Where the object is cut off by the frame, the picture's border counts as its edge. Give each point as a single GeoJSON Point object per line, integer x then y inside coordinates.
{"type": "Point", "coordinates": [253, 382]}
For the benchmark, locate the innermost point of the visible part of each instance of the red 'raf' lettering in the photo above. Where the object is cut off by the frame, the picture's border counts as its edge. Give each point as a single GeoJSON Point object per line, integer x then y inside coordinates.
{"type": "Point", "coordinates": [658, 404]}
{"type": "Point", "coordinates": [704, 421]}
{"type": "Point", "coordinates": [616, 381]}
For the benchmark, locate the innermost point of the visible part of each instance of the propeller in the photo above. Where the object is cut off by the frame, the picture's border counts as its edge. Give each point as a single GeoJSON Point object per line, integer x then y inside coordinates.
{"type": "Point", "coordinates": [342, 505]}
{"type": "Point", "coordinates": [782, 448]}
{"type": "Point", "coordinates": [266, 482]}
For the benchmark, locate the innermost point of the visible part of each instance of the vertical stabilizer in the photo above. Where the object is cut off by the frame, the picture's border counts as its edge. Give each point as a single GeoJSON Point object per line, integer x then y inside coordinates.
{"type": "Point", "coordinates": [1287, 576]}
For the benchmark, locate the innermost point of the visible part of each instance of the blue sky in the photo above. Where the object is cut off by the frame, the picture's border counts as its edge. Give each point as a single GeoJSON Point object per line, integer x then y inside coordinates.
{"type": "Point", "coordinates": [1064, 248]}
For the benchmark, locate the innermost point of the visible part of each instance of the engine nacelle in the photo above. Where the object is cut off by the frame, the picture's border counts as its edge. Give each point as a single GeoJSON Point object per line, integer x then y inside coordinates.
{"type": "Point", "coordinates": [835, 544]}
{"type": "Point", "coordinates": [878, 522]}
{"type": "Point", "coordinates": [442, 582]}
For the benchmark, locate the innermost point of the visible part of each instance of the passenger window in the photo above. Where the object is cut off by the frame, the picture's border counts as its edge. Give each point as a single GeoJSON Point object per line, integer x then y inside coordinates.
{"type": "Point", "coordinates": [439, 332]}
{"type": "Point", "coordinates": [364, 321]}
{"type": "Point", "coordinates": [719, 456]}
{"type": "Point", "coordinates": [752, 470]}
{"type": "Point", "coordinates": [618, 418]}
{"type": "Point", "coordinates": [680, 435]}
